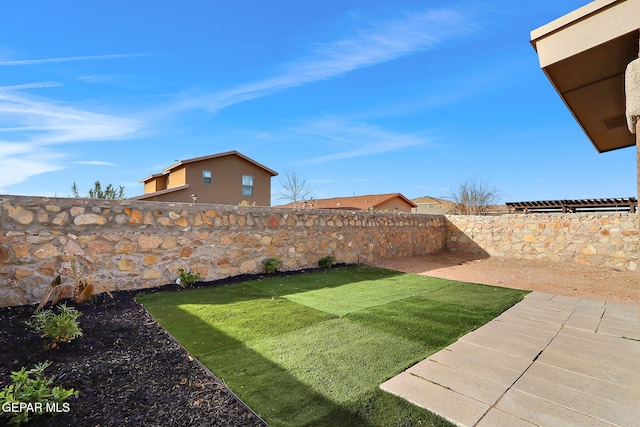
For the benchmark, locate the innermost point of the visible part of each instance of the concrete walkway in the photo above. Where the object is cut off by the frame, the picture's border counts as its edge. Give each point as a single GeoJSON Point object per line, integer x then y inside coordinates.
{"type": "Point", "coordinates": [548, 361]}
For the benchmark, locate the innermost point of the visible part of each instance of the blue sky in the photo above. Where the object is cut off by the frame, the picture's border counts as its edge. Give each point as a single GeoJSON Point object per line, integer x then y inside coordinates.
{"type": "Point", "coordinates": [359, 97]}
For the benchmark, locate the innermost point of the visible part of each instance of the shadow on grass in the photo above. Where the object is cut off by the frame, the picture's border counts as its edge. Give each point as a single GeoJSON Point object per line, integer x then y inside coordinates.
{"type": "Point", "coordinates": [267, 388]}
{"type": "Point", "coordinates": [261, 286]}
{"type": "Point", "coordinates": [254, 340]}
{"type": "Point", "coordinates": [216, 334]}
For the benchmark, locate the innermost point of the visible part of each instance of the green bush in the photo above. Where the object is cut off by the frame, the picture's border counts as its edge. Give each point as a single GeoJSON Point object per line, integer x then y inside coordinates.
{"type": "Point", "coordinates": [187, 278]}
{"type": "Point", "coordinates": [28, 397]}
{"type": "Point", "coordinates": [61, 327]}
{"type": "Point", "coordinates": [271, 264]}
{"type": "Point", "coordinates": [327, 262]}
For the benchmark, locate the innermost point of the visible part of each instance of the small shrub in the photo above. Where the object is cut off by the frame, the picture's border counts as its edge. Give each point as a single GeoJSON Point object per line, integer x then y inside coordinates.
{"type": "Point", "coordinates": [327, 262]}
{"type": "Point", "coordinates": [271, 264]}
{"type": "Point", "coordinates": [32, 395]}
{"type": "Point", "coordinates": [187, 278]}
{"type": "Point", "coordinates": [82, 288]}
{"type": "Point", "coordinates": [61, 327]}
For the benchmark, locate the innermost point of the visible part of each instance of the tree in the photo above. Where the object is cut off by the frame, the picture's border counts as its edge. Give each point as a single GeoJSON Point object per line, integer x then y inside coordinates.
{"type": "Point", "coordinates": [473, 198]}
{"type": "Point", "coordinates": [294, 187]}
{"type": "Point", "coordinates": [110, 192]}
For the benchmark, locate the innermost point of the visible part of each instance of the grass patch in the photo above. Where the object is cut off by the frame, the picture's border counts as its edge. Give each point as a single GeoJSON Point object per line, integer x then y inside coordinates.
{"type": "Point", "coordinates": [353, 297]}
{"type": "Point", "coordinates": [312, 349]}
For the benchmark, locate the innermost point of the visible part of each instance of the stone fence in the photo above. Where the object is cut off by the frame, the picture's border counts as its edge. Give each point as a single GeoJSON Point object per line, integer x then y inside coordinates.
{"type": "Point", "coordinates": [125, 244]}
{"type": "Point", "coordinates": [603, 239]}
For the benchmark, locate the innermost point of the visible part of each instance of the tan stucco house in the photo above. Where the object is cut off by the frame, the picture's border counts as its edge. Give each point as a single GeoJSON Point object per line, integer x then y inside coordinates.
{"type": "Point", "coordinates": [226, 178]}
{"type": "Point", "coordinates": [394, 202]}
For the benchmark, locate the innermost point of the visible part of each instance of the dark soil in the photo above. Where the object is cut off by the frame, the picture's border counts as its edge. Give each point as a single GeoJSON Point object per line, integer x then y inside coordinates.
{"type": "Point", "coordinates": [128, 369]}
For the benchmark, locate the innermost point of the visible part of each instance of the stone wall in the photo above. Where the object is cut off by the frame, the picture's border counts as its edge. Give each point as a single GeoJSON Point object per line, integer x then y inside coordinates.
{"type": "Point", "coordinates": [604, 239]}
{"type": "Point", "coordinates": [132, 244]}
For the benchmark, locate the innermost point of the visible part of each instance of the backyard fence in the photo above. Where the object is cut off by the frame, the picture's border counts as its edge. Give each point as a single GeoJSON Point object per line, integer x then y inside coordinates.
{"type": "Point", "coordinates": [126, 244]}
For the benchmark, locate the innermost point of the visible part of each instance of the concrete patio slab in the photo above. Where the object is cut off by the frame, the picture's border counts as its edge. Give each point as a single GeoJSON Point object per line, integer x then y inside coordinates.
{"type": "Point", "coordinates": [532, 312]}
{"type": "Point", "coordinates": [604, 389]}
{"type": "Point", "coordinates": [475, 387]}
{"type": "Point", "coordinates": [475, 366]}
{"type": "Point", "coordinates": [523, 327]}
{"type": "Point", "coordinates": [579, 321]}
{"type": "Point", "coordinates": [593, 352]}
{"type": "Point", "coordinates": [490, 355]}
{"type": "Point", "coordinates": [498, 418]}
{"type": "Point", "coordinates": [457, 408]}
{"type": "Point", "coordinates": [590, 310]}
{"type": "Point", "coordinates": [515, 319]}
{"type": "Point", "coordinates": [596, 370]}
{"type": "Point", "coordinates": [544, 413]}
{"type": "Point", "coordinates": [583, 402]}
{"type": "Point", "coordinates": [507, 342]}
{"type": "Point", "coordinates": [547, 361]}
{"type": "Point", "coordinates": [616, 332]}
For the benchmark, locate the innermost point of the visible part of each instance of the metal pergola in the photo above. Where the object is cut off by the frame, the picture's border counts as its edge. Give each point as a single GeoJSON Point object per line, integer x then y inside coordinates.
{"type": "Point", "coordinates": [629, 204]}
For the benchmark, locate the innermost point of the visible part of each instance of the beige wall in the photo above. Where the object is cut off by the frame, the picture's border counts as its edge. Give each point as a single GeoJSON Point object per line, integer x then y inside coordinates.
{"type": "Point", "coordinates": [155, 184]}
{"type": "Point", "coordinates": [177, 177]}
{"type": "Point", "coordinates": [394, 203]}
{"type": "Point", "coordinates": [179, 196]}
{"type": "Point", "coordinates": [226, 184]}
{"type": "Point", "coordinates": [603, 239]}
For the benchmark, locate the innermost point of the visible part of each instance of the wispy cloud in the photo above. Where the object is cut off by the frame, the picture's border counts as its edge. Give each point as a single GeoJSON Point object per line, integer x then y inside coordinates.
{"type": "Point", "coordinates": [33, 126]}
{"type": "Point", "coordinates": [38, 85]}
{"type": "Point", "coordinates": [58, 123]}
{"type": "Point", "coordinates": [98, 78]}
{"type": "Point", "coordinates": [95, 163]}
{"type": "Point", "coordinates": [359, 139]}
{"type": "Point", "coordinates": [369, 43]}
{"type": "Point", "coordinates": [70, 59]}
{"type": "Point", "coordinates": [19, 162]}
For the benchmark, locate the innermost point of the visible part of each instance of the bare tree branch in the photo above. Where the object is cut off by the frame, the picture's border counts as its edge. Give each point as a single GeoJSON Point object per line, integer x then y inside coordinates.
{"type": "Point", "coordinates": [473, 198]}
{"type": "Point", "coordinates": [294, 187]}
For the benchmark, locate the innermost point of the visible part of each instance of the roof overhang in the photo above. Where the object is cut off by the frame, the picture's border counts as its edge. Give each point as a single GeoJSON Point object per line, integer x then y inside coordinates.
{"type": "Point", "coordinates": [584, 54]}
{"type": "Point", "coordinates": [213, 156]}
{"type": "Point", "coordinates": [160, 193]}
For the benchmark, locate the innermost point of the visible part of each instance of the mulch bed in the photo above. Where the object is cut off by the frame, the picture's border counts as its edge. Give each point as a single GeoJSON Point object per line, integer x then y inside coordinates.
{"type": "Point", "coordinates": [128, 369]}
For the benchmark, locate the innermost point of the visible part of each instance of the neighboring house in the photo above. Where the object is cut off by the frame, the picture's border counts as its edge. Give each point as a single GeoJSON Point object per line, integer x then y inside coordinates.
{"type": "Point", "coordinates": [226, 178]}
{"type": "Point", "coordinates": [435, 206]}
{"type": "Point", "coordinates": [431, 205]}
{"type": "Point", "coordinates": [395, 202]}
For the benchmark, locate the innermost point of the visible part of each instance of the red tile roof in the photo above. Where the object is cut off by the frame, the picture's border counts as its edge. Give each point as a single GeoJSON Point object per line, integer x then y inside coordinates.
{"type": "Point", "coordinates": [349, 203]}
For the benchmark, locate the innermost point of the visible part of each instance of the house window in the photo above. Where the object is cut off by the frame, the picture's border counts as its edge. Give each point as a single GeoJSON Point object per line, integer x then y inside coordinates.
{"type": "Point", "coordinates": [247, 185]}
{"type": "Point", "coordinates": [206, 177]}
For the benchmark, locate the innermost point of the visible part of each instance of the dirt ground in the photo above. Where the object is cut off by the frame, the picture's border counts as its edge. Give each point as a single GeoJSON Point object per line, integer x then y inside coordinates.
{"type": "Point", "coordinates": [560, 278]}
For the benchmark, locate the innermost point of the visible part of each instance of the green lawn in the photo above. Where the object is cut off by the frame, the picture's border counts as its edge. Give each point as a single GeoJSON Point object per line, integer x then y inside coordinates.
{"type": "Point", "coordinates": [312, 349]}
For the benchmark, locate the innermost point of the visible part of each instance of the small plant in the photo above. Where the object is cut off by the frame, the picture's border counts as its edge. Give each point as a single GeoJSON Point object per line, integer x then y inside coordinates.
{"type": "Point", "coordinates": [246, 203]}
{"type": "Point", "coordinates": [327, 262]}
{"type": "Point", "coordinates": [61, 327]}
{"type": "Point", "coordinates": [187, 278]}
{"type": "Point", "coordinates": [82, 289]}
{"type": "Point", "coordinates": [271, 264]}
{"type": "Point", "coordinates": [30, 394]}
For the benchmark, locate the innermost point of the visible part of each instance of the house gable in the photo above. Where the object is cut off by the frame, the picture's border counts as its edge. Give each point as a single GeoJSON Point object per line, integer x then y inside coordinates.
{"type": "Point", "coordinates": [226, 178]}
